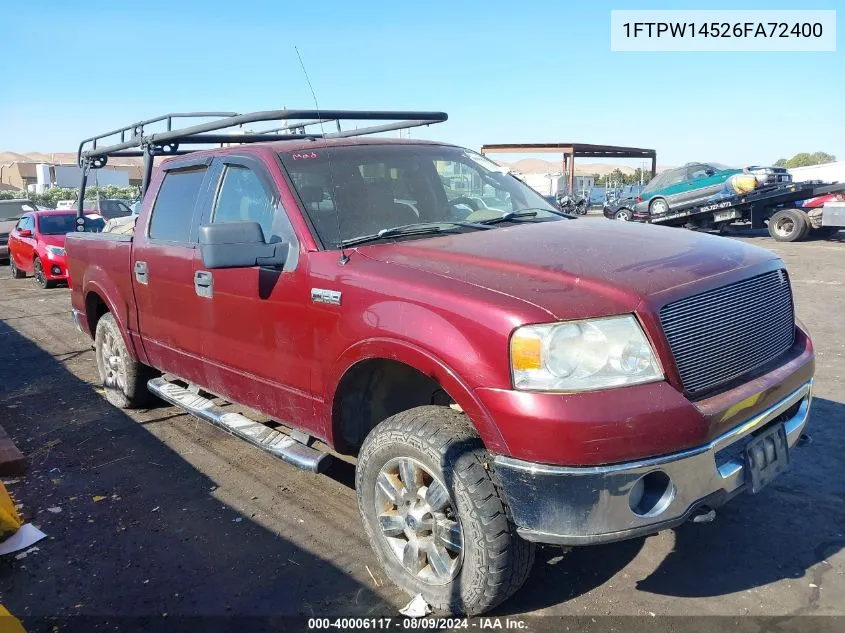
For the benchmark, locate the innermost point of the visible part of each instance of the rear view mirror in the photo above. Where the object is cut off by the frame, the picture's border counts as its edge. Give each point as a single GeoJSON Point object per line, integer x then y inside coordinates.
{"type": "Point", "coordinates": [239, 245]}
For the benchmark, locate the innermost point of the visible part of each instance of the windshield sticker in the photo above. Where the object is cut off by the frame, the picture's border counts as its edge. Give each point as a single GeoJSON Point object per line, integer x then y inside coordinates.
{"type": "Point", "coordinates": [303, 155]}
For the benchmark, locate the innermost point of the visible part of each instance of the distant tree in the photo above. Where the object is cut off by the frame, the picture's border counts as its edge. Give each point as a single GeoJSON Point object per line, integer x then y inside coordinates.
{"type": "Point", "coordinates": [805, 159]}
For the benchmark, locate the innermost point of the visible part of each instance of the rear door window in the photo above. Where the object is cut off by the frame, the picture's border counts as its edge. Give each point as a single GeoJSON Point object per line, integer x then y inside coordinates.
{"type": "Point", "coordinates": [173, 210]}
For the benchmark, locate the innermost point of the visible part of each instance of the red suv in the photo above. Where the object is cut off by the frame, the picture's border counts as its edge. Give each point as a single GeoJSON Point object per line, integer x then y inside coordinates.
{"type": "Point", "coordinates": [37, 246]}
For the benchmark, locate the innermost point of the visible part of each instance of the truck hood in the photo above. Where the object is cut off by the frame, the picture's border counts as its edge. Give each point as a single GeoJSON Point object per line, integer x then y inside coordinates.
{"type": "Point", "coordinates": [575, 269]}
{"type": "Point", "coordinates": [7, 226]}
{"type": "Point", "coordinates": [54, 240]}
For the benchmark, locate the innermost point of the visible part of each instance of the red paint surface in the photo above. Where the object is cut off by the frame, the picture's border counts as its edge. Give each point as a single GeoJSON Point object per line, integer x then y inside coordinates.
{"type": "Point", "coordinates": [445, 305]}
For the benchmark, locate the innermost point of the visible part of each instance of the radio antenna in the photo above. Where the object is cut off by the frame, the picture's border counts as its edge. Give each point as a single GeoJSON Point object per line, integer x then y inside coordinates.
{"type": "Point", "coordinates": [344, 258]}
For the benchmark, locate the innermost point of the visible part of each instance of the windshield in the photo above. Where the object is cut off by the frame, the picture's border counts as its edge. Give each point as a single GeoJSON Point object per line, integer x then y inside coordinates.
{"type": "Point", "coordinates": [14, 210]}
{"type": "Point", "coordinates": [368, 188]}
{"type": "Point", "coordinates": [57, 224]}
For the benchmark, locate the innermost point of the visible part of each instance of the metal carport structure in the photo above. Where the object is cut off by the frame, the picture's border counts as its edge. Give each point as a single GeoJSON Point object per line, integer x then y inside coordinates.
{"type": "Point", "coordinates": [572, 150]}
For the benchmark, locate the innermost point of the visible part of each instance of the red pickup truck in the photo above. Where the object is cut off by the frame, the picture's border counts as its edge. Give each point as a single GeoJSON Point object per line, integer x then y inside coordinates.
{"type": "Point", "coordinates": [505, 374]}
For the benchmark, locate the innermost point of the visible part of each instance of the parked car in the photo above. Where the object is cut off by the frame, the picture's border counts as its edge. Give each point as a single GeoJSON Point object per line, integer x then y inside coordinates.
{"type": "Point", "coordinates": [10, 212]}
{"type": "Point", "coordinates": [620, 209]}
{"type": "Point", "coordinates": [696, 182]}
{"type": "Point", "coordinates": [510, 378]}
{"type": "Point", "coordinates": [106, 208]}
{"type": "Point", "coordinates": [37, 245]}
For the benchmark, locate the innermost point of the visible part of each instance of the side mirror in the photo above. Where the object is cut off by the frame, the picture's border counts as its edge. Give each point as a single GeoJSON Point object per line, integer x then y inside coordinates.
{"type": "Point", "coordinates": [239, 245]}
{"type": "Point", "coordinates": [25, 233]}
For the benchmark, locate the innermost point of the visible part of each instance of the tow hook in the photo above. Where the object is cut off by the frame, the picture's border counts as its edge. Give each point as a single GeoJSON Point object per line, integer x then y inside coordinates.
{"type": "Point", "coordinates": [703, 515]}
{"type": "Point", "coordinates": [804, 440]}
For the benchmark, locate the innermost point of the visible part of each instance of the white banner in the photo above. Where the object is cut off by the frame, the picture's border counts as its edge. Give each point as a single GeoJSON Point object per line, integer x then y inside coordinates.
{"type": "Point", "coordinates": [723, 30]}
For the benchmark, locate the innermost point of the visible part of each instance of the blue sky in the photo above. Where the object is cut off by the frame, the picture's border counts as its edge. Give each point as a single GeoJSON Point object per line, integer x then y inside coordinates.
{"type": "Point", "coordinates": [528, 71]}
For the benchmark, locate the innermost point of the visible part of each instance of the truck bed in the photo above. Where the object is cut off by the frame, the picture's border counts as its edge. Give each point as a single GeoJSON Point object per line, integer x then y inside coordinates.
{"type": "Point", "coordinates": [104, 261]}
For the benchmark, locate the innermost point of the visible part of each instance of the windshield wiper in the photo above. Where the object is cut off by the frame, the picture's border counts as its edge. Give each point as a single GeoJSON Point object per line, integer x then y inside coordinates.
{"type": "Point", "coordinates": [510, 215]}
{"type": "Point", "coordinates": [423, 228]}
{"type": "Point", "coordinates": [524, 213]}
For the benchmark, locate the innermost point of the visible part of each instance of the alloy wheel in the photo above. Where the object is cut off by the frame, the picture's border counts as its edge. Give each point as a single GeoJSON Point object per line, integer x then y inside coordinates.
{"type": "Point", "coordinates": [40, 277]}
{"type": "Point", "coordinates": [418, 521]}
{"type": "Point", "coordinates": [114, 369]}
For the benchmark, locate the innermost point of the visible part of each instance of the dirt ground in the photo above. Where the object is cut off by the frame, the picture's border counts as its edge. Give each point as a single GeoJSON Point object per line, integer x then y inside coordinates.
{"type": "Point", "coordinates": [163, 514]}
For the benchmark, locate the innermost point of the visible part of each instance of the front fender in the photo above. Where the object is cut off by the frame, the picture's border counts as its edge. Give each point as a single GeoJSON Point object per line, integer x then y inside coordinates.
{"type": "Point", "coordinates": [430, 365]}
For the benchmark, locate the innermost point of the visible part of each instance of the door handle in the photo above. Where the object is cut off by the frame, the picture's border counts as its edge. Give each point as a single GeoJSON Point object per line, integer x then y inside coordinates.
{"type": "Point", "coordinates": [203, 283]}
{"type": "Point", "coordinates": [141, 275]}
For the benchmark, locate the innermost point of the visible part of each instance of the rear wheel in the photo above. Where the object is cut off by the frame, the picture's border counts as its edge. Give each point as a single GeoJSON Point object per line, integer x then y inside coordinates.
{"type": "Point", "coordinates": [433, 514]}
{"type": "Point", "coordinates": [40, 275]}
{"type": "Point", "coordinates": [789, 225]}
{"type": "Point", "coordinates": [658, 206]}
{"type": "Point", "coordinates": [14, 271]}
{"type": "Point", "coordinates": [124, 378]}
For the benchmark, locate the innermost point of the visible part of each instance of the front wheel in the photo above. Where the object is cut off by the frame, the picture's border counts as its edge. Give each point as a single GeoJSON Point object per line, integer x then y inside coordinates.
{"type": "Point", "coordinates": [40, 275]}
{"type": "Point", "coordinates": [623, 214]}
{"type": "Point", "coordinates": [433, 514]}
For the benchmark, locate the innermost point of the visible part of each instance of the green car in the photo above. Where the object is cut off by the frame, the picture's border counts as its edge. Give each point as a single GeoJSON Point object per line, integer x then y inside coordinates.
{"type": "Point", "coordinates": [695, 182]}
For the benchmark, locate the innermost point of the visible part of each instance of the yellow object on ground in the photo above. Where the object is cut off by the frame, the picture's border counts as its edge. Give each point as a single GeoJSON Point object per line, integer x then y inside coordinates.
{"type": "Point", "coordinates": [8, 622]}
{"type": "Point", "coordinates": [10, 521]}
{"type": "Point", "coordinates": [743, 183]}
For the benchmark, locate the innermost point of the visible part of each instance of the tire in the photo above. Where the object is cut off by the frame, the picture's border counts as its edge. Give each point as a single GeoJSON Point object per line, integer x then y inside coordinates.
{"type": "Point", "coordinates": [658, 206]}
{"type": "Point", "coordinates": [14, 271]}
{"type": "Point", "coordinates": [788, 225]}
{"type": "Point", "coordinates": [623, 214]}
{"type": "Point", "coordinates": [491, 563]}
{"type": "Point", "coordinates": [124, 378]}
{"type": "Point", "coordinates": [40, 276]}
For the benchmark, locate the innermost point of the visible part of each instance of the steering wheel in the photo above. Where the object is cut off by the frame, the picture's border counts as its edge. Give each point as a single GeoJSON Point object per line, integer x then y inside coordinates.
{"type": "Point", "coordinates": [472, 203]}
{"type": "Point", "coordinates": [487, 213]}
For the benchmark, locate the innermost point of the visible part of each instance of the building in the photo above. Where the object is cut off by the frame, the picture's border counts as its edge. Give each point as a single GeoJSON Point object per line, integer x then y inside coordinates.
{"type": "Point", "coordinates": [36, 171]}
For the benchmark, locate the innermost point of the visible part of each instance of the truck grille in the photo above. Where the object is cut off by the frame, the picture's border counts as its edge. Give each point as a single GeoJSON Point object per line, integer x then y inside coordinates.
{"type": "Point", "coordinates": [726, 332]}
{"type": "Point", "coordinates": [4, 239]}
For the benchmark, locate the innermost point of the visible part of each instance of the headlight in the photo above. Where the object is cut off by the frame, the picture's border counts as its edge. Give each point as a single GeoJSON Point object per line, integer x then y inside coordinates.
{"type": "Point", "coordinates": [582, 355]}
{"type": "Point", "coordinates": [55, 250]}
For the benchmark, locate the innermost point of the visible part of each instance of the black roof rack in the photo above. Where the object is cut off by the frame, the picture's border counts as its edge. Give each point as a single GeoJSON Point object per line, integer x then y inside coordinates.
{"type": "Point", "coordinates": [138, 139]}
{"type": "Point", "coordinates": [137, 136]}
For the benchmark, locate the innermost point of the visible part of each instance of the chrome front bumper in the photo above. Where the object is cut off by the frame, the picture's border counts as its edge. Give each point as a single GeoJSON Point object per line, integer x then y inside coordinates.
{"type": "Point", "coordinates": [583, 506]}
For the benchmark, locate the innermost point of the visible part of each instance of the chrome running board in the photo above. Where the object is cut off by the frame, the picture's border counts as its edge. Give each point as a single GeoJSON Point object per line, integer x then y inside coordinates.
{"type": "Point", "coordinates": [264, 437]}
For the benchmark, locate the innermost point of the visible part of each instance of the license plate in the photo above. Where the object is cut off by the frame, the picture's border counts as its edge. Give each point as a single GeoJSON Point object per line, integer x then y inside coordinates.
{"type": "Point", "coordinates": [766, 457]}
{"type": "Point", "coordinates": [721, 216]}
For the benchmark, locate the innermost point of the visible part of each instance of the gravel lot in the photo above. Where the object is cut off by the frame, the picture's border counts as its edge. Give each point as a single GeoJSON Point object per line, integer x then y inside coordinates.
{"type": "Point", "coordinates": [161, 513]}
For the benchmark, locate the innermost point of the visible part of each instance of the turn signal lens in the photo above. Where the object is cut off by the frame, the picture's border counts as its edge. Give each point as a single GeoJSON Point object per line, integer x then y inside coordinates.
{"type": "Point", "coordinates": [526, 351]}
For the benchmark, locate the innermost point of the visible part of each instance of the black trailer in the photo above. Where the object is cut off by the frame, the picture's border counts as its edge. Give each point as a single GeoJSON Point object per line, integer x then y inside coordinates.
{"type": "Point", "coordinates": [773, 206]}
